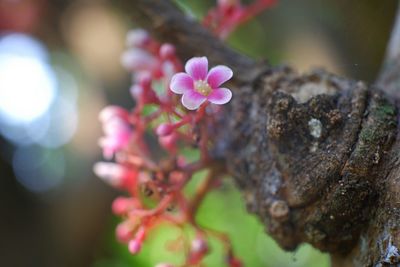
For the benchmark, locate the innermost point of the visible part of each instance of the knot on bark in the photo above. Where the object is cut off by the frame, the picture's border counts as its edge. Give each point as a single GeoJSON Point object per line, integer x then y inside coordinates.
{"type": "Point", "coordinates": [314, 147]}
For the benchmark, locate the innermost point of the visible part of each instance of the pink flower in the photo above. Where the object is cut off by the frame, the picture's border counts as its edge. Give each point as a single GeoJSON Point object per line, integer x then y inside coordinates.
{"type": "Point", "coordinates": [117, 131]}
{"type": "Point", "coordinates": [116, 175]}
{"type": "Point", "coordinates": [198, 84]}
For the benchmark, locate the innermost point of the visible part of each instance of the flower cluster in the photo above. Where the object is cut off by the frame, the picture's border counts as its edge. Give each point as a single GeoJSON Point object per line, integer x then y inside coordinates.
{"type": "Point", "coordinates": [162, 120]}
{"type": "Point", "coordinates": [229, 14]}
{"type": "Point", "coordinates": [175, 109]}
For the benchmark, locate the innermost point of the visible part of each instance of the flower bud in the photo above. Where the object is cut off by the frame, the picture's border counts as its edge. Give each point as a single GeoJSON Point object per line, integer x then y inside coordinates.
{"type": "Point", "coordinates": [110, 112]}
{"type": "Point", "coordinates": [122, 205]}
{"type": "Point", "coordinates": [116, 127]}
{"type": "Point", "coordinates": [123, 232]}
{"type": "Point", "coordinates": [199, 246]}
{"type": "Point", "coordinates": [137, 38]}
{"type": "Point", "coordinates": [198, 250]}
{"type": "Point", "coordinates": [168, 142]}
{"type": "Point", "coordinates": [165, 129]}
{"type": "Point", "coordinates": [134, 246]}
{"type": "Point", "coordinates": [136, 91]}
{"type": "Point", "coordinates": [139, 60]}
{"type": "Point", "coordinates": [167, 51]}
{"type": "Point", "coordinates": [115, 174]}
{"type": "Point", "coordinates": [145, 80]}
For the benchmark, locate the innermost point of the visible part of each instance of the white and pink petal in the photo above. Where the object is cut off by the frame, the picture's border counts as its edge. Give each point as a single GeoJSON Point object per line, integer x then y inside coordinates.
{"type": "Point", "coordinates": [192, 100]}
{"type": "Point", "coordinates": [218, 75]}
{"type": "Point", "coordinates": [197, 68]}
{"type": "Point", "coordinates": [220, 96]}
{"type": "Point", "coordinates": [181, 82]}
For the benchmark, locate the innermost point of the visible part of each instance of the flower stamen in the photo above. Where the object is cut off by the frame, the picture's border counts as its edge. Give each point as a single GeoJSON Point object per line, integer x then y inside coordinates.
{"type": "Point", "coordinates": [202, 87]}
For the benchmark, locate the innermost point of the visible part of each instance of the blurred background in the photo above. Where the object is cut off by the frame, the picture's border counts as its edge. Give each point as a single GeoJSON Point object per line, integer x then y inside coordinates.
{"type": "Point", "coordinates": [60, 65]}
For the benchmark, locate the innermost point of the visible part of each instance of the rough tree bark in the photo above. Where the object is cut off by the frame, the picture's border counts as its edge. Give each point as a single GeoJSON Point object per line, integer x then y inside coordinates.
{"type": "Point", "coordinates": [317, 156]}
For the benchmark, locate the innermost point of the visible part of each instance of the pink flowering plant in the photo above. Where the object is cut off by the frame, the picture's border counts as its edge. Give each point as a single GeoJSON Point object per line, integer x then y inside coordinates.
{"type": "Point", "coordinates": [183, 108]}
{"type": "Point", "coordinates": [177, 106]}
{"type": "Point", "coordinates": [227, 15]}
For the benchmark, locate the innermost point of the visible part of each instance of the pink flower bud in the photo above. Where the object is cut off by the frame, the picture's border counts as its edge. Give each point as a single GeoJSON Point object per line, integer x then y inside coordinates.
{"type": "Point", "coordinates": [123, 232]}
{"type": "Point", "coordinates": [167, 51]}
{"type": "Point", "coordinates": [139, 60]}
{"type": "Point", "coordinates": [168, 142]}
{"type": "Point", "coordinates": [181, 161]}
{"type": "Point", "coordinates": [113, 111]}
{"type": "Point", "coordinates": [121, 205]}
{"type": "Point", "coordinates": [145, 80]}
{"type": "Point", "coordinates": [115, 174]}
{"type": "Point", "coordinates": [134, 246]}
{"type": "Point", "coordinates": [112, 144]}
{"type": "Point", "coordinates": [198, 250]}
{"type": "Point", "coordinates": [165, 129]}
{"type": "Point", "coordinates": [199, 246]}
{"type": "Point", "coordinates": [137, 38]}
{"type": "Point", "coordinates": [116, 127]}
{"type": "Point", "coordinates": [136, 91]}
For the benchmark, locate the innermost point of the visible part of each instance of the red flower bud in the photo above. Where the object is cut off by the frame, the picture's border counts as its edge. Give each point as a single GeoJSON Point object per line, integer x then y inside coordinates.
{"type": "Point", "coordinates": [164, 129]}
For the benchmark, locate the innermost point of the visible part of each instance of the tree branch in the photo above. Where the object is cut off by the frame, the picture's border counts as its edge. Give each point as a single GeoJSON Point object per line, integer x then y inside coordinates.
{"type": "Point", "coordinates": [315, 155]}
{"type": "Point", "coordinates": [379, 243]}
{"type": "Point", "coordinates": [168, 24]}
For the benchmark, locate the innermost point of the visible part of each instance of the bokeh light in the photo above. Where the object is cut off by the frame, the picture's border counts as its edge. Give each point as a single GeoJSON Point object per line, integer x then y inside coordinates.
{"type": "Point", "coordinates": [27, 83]}
{"type": "Point", "coordinates": [38, 110]}
{"type": "Point", "coordinates": [38, 169]}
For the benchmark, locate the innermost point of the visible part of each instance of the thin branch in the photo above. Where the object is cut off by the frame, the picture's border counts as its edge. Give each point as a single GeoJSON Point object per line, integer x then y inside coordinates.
{"type": "Point", "coordinates": [393, 50]}
{"type": "Point", "coordinates": [389, 78]}
{"type": "Point", "coordinates": [167, 23]}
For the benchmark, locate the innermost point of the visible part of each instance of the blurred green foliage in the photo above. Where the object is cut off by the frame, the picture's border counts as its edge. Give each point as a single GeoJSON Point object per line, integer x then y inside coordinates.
{"type": "Point", "coordinates": [222, 210]}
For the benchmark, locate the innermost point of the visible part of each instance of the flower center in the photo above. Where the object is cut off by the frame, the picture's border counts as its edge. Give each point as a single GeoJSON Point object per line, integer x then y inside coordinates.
{"type": "Point", "coordinates": [202, 87]}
